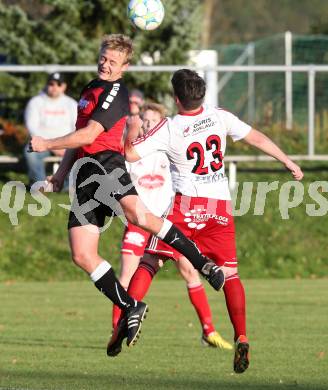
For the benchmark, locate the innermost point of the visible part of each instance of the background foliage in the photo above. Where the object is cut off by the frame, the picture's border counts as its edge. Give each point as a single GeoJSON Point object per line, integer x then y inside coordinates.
{"type": "Point", "coordinates": [235, 21]}
{"type": "Point", "coordinates": [69, 32]}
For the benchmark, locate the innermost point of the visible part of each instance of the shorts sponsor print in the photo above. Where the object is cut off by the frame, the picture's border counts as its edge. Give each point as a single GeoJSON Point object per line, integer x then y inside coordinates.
{"type": "Point", "coordinates": [208, 222]}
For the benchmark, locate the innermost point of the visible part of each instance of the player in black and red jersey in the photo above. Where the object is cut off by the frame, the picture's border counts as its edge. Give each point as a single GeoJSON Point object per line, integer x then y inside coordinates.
{"type": "Point", "coordinates": [102, 114]}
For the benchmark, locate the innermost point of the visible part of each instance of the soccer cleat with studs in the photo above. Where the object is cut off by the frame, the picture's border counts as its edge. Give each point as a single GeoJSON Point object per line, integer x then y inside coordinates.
{"type": "Point", "coordinates": [120, 332]}
{"type": "Point", "coordinates": [134, 317]}
{"type": "Point", "coordinates": [241, 359]}
{"type": "Point", "coordinates": [214, 275]}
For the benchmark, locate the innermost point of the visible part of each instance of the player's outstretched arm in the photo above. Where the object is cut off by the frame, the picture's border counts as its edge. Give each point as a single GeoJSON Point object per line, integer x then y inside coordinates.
{"type": "Point", "coordinates": [264, 143]}
{"type": "Point", "coordinates": [134, 131]}
{"type": "Point", "coordinates": [78, 138]}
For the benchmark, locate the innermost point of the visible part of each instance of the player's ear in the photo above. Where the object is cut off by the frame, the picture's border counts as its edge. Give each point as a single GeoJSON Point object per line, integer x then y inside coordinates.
{"type": "Point", "coordinates": [125, 66]}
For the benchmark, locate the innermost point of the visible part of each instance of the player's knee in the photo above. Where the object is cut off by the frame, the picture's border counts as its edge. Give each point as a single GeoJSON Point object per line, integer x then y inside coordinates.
{"type": "Point", "coordinates": [80, 258]}
{"type": "Point", "coordinates": [229, 271]}
{"type": "Point", "coordinates": [191, 277]}
{"type": "Point", "coordinates": [188, 272]}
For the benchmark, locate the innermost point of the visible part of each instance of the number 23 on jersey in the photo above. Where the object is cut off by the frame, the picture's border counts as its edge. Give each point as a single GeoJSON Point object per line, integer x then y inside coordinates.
{"type": "Point", "coordinates": [196, 150]}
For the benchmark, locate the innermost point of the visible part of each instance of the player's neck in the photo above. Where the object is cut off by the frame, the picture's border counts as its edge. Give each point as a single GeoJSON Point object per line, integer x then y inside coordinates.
{"type": "Point", "coordinates": [196, 111]}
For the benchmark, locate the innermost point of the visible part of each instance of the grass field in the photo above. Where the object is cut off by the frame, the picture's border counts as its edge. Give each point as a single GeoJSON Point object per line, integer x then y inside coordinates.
{"type": "Point", "coordinates": [53, 336]}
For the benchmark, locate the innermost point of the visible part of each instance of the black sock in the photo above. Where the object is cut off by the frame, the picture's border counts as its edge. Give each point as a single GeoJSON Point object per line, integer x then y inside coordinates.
{"type": "Point", "coordinates": [177, 240]}
{"type": "Point", "coordinates": [112, 288]}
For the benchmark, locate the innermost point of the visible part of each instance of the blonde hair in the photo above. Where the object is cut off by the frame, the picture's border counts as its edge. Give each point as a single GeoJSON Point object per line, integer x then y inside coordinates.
{"type": "Point", "coordinates": [155, 107]}
{"type": "Point", "coordinates": [118, 42]}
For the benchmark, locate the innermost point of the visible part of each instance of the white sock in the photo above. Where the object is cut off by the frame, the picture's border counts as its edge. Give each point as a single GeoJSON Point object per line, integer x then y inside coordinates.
{"type": "Point", "coordinates": [100, 271]}
{"type": "Point", "coordinates": [164, 229]}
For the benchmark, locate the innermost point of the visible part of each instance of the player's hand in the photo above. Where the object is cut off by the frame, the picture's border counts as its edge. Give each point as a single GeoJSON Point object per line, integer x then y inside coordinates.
{"type": "Point", "coordinates": [38, 144]}
{"type": "Point", "coordinates": [295, 170]}
{"type": "Point", "coordinates": [55, 182]}
{"type": "Point", "coordinates": [134, 124]}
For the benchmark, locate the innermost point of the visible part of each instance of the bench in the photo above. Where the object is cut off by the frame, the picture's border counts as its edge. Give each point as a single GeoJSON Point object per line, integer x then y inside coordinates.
{"type": "Point", "coordinates": [54, 160]}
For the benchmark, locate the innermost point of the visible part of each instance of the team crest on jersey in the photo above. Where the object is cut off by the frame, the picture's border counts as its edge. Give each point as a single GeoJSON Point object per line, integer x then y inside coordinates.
{"type": "Point", "coordinates": [83, 103]}
{"type": "Point", "coordinates": [186, 131]}
{"type": "Point", "coordinates": [110, 97]}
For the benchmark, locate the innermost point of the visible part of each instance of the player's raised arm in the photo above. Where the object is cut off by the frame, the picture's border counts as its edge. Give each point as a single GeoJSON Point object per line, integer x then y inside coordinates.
{"type": "Point", "coordinates": [264, 143]}
{"type": "Point", "coordinates": [81, 137]}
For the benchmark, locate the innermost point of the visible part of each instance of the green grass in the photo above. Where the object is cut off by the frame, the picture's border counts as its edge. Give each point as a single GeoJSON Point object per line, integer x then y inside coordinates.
{"type": "Point", "coordinates": [268, 246]}
{"type": "Point", "coordinates": [53, 336]}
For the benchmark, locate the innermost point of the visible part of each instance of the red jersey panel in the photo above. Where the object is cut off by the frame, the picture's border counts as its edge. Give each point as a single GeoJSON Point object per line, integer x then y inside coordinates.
{"type": "Point", "coordinates": [107, 103]}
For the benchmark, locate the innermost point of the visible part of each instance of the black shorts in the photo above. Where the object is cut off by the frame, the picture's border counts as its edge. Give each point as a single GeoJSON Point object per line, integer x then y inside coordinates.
{"type": "Point", "coordinates": [101, 181]}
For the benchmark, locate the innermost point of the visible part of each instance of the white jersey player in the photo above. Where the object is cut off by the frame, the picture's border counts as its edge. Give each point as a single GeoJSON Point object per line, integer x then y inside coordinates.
{"type": "Point", "coordinates": [152, 178]}
{"type": "Point", "coordinates": [195, 143]}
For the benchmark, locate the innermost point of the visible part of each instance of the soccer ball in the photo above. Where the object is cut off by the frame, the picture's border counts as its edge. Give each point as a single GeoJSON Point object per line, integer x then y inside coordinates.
{"type": "Point", "coordinates": [146, 14]}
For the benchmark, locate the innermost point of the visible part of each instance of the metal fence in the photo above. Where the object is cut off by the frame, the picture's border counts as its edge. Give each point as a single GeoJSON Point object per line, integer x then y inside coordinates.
{"type": "Point", "coordinates": [220, 73]}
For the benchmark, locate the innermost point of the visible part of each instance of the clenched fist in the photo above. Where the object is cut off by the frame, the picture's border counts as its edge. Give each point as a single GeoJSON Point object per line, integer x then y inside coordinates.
{"type": "Point", "coordinates": [294, 169]}
{"type": "Point", "coordinates": [38, 144]}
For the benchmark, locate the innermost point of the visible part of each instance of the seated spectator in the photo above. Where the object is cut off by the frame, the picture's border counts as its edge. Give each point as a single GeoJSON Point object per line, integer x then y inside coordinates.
{"type": "Point", "coordinates": [50, 114]}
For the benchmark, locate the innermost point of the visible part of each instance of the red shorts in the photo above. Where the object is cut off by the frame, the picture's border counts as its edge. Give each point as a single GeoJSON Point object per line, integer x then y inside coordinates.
{"type": "Point", "coordinates": [134, 240]}
{"type": "Point", "coordinates": [208, 222]}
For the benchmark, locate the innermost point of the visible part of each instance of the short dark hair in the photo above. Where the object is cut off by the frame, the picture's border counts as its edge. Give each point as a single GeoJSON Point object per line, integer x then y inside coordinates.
{"type": "Point", "coordinates": [189, 88]}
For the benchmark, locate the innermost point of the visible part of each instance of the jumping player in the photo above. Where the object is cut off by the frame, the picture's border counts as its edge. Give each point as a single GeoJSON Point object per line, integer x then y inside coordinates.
{"type": "Point", "coordinates": [152, 179]}
{"type": "Point", "coordinates": [195, 143]}
{"type": "Point", "coordinates": [97, 149]}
